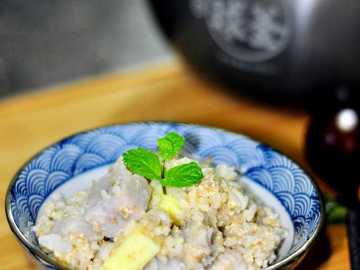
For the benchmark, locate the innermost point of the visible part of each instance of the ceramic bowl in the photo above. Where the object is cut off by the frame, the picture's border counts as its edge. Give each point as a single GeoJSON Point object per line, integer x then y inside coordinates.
{"type": "Point", "coordinates": [71, 162]}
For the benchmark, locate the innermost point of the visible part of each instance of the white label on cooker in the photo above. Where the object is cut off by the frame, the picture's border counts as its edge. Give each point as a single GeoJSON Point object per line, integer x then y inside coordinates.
{"type": "Point", "coordinates": [248, 30]}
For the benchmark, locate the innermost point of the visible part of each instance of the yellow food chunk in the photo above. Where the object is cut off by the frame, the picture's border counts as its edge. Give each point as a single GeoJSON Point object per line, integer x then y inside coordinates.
{"type": "Point", "coordinates": [172, 207]}
{"type": "Point", "coordinates": [166, 202]}
{"type": "Point", "coordinates": [135, 251]}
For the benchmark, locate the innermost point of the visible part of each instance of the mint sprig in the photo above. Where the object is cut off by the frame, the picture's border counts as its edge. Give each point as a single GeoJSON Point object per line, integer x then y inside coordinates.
{"type": "Point", "coordinates": [170, 145]}
{"type": "Point", "coordinates": [147, 163]}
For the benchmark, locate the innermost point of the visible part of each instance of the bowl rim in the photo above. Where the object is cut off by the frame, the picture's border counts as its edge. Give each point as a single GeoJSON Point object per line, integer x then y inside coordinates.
{"type": "Point", "coordinates": [38, 253]}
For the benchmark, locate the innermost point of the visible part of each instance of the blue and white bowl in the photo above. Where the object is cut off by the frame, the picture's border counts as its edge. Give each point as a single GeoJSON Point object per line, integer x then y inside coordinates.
{"type": "Point", "coordinates": [280, 182]}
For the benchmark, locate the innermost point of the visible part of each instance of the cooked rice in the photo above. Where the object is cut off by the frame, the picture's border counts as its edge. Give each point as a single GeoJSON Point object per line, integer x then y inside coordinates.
{"type": "Point", "coordinates": [223, 225]}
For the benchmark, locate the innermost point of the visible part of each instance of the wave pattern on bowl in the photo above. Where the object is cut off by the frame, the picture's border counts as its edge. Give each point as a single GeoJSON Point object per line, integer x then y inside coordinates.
{"type": "Point", "coordinates": [93, 149]}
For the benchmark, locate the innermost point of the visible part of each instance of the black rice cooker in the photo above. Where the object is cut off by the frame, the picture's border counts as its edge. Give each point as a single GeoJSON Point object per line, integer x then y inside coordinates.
{"type": "Point", "coordinates": [285, 51]}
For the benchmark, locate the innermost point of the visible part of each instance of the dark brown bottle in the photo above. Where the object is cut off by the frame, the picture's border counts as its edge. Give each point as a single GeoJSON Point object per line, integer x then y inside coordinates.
{"type": "Point", "coordinates": [333, 143]}
{"type": "Point", "coordinates": [333, 152]}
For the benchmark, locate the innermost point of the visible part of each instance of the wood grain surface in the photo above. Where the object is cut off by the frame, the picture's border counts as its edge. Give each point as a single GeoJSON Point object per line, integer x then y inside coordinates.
{"type": "Point", "coordinates": [163, 92]}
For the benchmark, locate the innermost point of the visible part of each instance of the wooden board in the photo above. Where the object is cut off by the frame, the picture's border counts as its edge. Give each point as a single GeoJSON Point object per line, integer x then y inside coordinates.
{"type": "Point", "coordinates": [164, 92]}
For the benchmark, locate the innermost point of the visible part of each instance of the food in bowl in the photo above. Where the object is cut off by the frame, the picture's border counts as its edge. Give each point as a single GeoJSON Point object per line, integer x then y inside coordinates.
{"type": "Point", "coordinates": [161, 211]}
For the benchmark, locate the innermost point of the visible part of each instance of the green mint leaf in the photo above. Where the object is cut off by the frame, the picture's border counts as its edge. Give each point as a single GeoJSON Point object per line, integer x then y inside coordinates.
{"type": "Point", "coordinates": [143, 162]}
{"type": "Point", "coordinates": [185, 175]}
{"type": "Point", "coordinates": [335, 212]}
{"type": "Point", "coordinates": [337, 215]}
{"type": "Point", "coordinates": [170, 145]}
